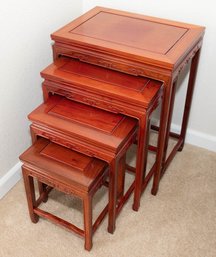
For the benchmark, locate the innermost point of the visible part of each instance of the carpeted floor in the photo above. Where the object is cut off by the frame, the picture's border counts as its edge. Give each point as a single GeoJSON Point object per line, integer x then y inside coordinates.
{"type": "Point", "coordinates": [179, 222]}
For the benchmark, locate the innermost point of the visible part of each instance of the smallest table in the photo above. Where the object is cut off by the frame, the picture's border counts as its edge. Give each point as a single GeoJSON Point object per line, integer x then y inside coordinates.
{"type": "Point", "coordinates": [69, 172]}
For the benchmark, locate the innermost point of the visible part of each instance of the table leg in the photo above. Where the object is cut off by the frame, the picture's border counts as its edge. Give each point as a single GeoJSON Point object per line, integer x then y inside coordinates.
{"type": "Point", "coordinates": [142, 150]}
{"type": "Point", "coordinates": [30, 194]}
{"type": "Point", "coordinates": [113, 175]}
{"type": "Point", "coordinates": [167, 109]}
{"type": "Point", "coordinates": [191, 84]}
{"type": "Point", "coordinates": [162, 136]}
{"type": "Point", "coordinates": [41, 186]}
{"type": "Point", "coordinates": [174, 84]}
{"type": "Point", "coordinates": [121, 177]}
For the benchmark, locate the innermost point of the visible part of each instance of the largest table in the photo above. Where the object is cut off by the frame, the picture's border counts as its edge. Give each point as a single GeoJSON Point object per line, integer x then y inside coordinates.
{"type": "Point", "coordinates": [142, 46]}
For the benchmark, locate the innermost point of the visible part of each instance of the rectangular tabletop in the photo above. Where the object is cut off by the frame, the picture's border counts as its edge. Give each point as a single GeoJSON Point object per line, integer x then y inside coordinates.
{"type": "Point", "coordinates": [149, 39]}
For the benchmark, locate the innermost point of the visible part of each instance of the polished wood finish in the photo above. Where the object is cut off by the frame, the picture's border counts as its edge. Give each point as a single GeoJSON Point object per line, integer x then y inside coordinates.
{"type": "Point", "coordinates": [142, 46]}
{"type": "Point", "coordinates": [91, 131]}
{"type": "Point", "coordinates": [110, 90]}
{"type": "Point", "coordinates": [66, 76]}
{"type": "Point", "coordinates": [109, 67]}
{"type": "Point", "coordinates": [95, 127]}
{"type": "Point", "coordinates": [69, 172]}
{"type": "Point", "coordinates": [132, 36]}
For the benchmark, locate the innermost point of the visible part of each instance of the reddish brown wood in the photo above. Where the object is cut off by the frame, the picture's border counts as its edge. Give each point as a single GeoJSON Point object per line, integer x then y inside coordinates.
{"type": "Point", "coordinates": [43, 195]}
{"type": "Point", "coordinates": [29, 188]}
{"type": "Point", "coordinates": [151, 40]}
{"type": "Point", "coordinates": [142, 148]}
{"type": "Point", "coordinates": [69, 172]}
{"type": "Point", "coordinates": [121, 177]}
{"type": "Point", "coordinates": [162, 160]}
{"type": "Point", "coordinates": [158, 174]}
{"type": "Point", "coordinates": [137, 45]}
{"type": "Point", "coordinates": [61, 222]}
{"type": "Point", "coordinates": [100, 87]}
{"type": "Point", "coordinates": [100, 218]}
{"type": "Point", "coordinates": [171, 134]}
{"type": "Point", "coordinates": [124, 199]}
{"type": "Point", "coordinates": [189, 96]}
{"type": "Point", "coordinates": [92, 85]}
{"type": "Point", "coordinates": [130, 168]}
{"type": "Point", "coordinates": [83, 123]}
{"type": "Point", "coordinates": [172, 100]}
{"type": "Point", "coordinates": [88, 130]}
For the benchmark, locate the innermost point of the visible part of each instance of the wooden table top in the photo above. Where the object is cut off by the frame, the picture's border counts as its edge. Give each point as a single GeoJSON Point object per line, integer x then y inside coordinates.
{"type": "Point", "coordinates": [136, 37]}
{"type": "Point", "coordinates": [138, 91]}
{"type": "Point", "coordinates": [84, 123]}
{"type": "Point", "coordinates": [61, 163]}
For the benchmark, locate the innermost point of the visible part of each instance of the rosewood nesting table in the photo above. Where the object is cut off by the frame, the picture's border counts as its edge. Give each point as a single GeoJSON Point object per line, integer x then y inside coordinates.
{"type": "Point", "coordinates": [69, 172]}
{"type": "Point", "coordinates": [141, 46]}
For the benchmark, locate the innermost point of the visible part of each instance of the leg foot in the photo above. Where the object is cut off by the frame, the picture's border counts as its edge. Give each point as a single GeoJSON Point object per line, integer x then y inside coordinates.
{"type": "Point", "coordinates": [154, 191]}
{"type": "Point", "coordinates": [135, 207]}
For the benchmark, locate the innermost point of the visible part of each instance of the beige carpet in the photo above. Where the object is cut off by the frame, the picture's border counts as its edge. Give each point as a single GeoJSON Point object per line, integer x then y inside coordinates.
{"type": "Point", "coordinates": [179, 222]}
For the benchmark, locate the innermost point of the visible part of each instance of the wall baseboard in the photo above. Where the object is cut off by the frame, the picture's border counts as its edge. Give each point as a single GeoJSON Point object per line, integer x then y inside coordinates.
{"type": "Point", "coordinates": [10, 179]}
{"type": "Point", "coordinates": [196, 138]}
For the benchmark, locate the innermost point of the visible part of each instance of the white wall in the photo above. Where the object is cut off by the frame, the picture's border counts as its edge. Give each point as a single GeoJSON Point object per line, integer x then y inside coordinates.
{"type": "Point", "coordinates": [25, 49]}
{"type": "Point", "coordinates": [202, 125]}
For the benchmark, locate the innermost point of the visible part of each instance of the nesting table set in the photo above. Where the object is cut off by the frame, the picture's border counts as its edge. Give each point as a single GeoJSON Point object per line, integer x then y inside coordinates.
{"type": "Point", "coordinates": [111, 70]}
